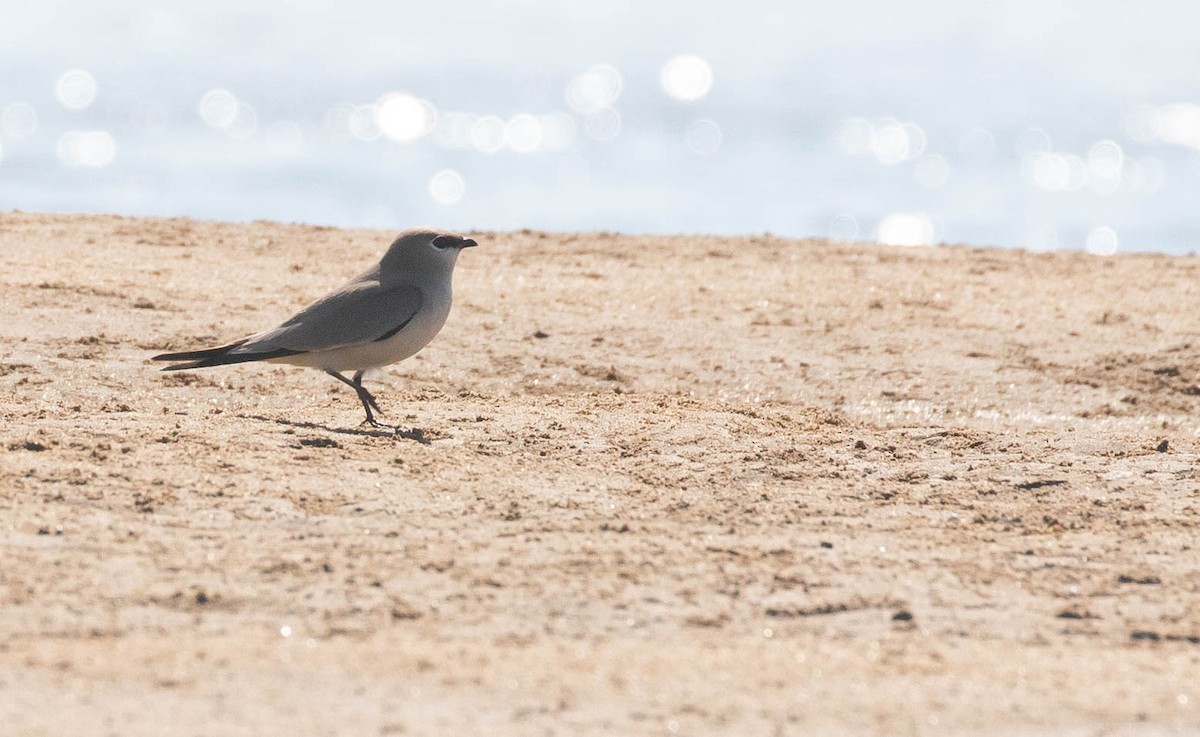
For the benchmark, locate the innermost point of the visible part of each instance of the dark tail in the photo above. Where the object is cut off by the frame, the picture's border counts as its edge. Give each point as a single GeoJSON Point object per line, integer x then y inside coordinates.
{"type": "Point", "coordinates": [218, 357]}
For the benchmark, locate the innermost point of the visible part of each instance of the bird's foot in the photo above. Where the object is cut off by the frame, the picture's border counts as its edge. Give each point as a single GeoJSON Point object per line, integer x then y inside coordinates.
{"type": "Point", "coordinates": [414, 433]}
{"type": "Point", "coordinates": [380, 425]}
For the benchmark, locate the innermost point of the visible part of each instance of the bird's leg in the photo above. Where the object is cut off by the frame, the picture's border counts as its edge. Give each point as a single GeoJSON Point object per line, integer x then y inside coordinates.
{"type": "Point", "coordinates": [364, 396]}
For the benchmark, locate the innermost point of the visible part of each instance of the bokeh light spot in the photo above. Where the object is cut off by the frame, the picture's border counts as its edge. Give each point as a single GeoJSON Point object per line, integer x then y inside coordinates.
{"type": "Point", "coordinates": [1102, 241]}
{"type": "Point", "coordinates": [906, 229]}
{"type": "Point", "coordinates": [75, 89]}
{"type": "Point", "coordinates": [890, 142]}
{"type": "Point", "coordinates": [1106, 167]}
{"type": "Point", "coordinates": [1033, 141]}
{"type": "Point", "coordinates": [1054, 171]}
{"type": "Point", "coordinates": [603, 125]}
{"type": "Point", "coordinates": [1105, 159]}
{"type": "Point", "coordinates": [523, 133]}
{"type": "Point", "coordinates": [487, 135]}
{"type": "Point", "coordinates": [447, 187]}
{"type": "Point", "coordinates": [404, 118]}
{"type": "Point", "coordinates": [19, 120]}
{"type": "Point", "coordinates": [363, 123]}
{"type": "Point", "coordinates": [244, 123]}
{"type": "Point", "coordinates": [1046, 171]}
{"type": "Point", "coordinates": [916, 139]}
{"type": "Point", "coordinates": [94, 149]}
{"type": "Point", "coordinates": [595, 89]}
{"type": "Point", "coordinates": [843, 227]}
{"type": "Point", "coordinates": [703, 137]}
{"type": "Point", "coordinates": [1180, 125]}
{"type": "Point", "coordinates": [221, 109]}
{"type": "Point", "coordinates": [218, 108]}
{"type": "Point", "coordinates": [687, 77]}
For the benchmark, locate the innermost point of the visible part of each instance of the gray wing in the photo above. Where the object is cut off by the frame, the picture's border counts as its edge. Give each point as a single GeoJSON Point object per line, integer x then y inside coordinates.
{"type": "Point", "coordinates": [360, 312]}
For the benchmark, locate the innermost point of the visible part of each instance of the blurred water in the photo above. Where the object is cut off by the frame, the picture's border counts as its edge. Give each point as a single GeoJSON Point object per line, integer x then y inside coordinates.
{"type": "Point", "coordinates": [1041, 124]}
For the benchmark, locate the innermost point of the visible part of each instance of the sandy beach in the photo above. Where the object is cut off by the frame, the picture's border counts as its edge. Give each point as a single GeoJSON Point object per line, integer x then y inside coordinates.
{"type": "Point", "coordinates": [644, 485]}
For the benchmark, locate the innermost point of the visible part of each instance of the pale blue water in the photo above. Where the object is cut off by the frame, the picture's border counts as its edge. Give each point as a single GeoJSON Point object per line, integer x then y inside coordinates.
{"type": "Point", "coordinates": [1035, 124]}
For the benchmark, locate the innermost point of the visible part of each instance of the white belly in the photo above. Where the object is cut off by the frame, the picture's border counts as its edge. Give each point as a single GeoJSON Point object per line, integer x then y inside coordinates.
{"type": "Point", "coordinates": [416, 335]}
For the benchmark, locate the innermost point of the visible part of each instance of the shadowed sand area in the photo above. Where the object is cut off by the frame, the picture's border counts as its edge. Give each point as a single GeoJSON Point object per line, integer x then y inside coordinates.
{"type": "Point", "coordinates": [650, 485]}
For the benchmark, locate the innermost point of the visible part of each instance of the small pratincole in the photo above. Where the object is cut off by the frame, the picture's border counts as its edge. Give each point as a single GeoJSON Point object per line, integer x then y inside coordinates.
{"type": "Point", "coordinates": [384, 315]}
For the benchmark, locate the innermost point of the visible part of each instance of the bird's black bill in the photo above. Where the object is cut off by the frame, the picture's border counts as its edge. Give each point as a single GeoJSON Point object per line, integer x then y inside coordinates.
{"type": "Point", "coordinates": [453, 241]}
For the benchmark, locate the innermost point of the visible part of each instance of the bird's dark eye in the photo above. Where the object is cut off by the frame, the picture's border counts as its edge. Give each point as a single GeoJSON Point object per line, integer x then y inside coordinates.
{"type": "Point", "coordinates": [442, 242]}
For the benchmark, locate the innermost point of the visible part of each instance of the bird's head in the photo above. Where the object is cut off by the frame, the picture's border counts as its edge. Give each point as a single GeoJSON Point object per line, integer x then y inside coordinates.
{"type": "Point", "coordinates": [424, 250]}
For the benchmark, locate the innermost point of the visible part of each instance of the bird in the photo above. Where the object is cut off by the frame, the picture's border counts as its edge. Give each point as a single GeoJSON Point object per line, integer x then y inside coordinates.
{"type": "Point", "coordinates": [384, 315]}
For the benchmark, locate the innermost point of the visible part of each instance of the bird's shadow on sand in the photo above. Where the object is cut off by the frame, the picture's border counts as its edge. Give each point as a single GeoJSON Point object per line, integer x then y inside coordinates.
{"type": "Point", "coordinates": [397, 432]}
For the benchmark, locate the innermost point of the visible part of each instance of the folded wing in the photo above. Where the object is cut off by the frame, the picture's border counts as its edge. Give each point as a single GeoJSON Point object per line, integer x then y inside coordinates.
{"type": "Point", "coordinates": [359, 313]}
